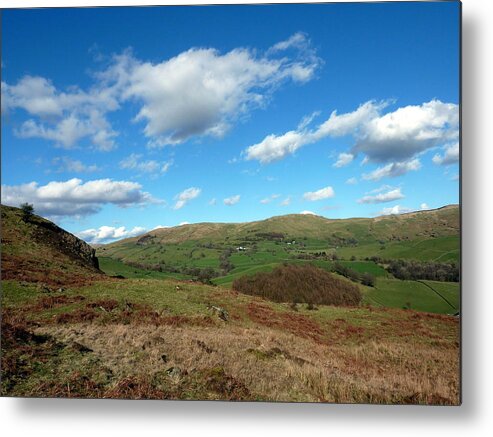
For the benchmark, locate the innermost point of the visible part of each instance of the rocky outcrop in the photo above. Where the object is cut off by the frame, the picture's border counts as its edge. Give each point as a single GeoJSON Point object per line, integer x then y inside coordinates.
{"type": "Point", "coordinates": [66, 242]}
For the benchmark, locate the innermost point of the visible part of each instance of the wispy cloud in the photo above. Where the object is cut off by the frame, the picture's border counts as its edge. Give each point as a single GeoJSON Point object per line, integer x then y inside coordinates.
{"type": "Point", "coordinates": [135, 162]}
{"type": "Point", "coordinates": [323, 193]}
{"type": "Point", "coordinates": [233, 200]}
{"type": "Point", "coordinates": [388, 196]}
{"type": "Point", "coordinates": [393, 170]}
{"type": "Point", "coordinates": [186, 196]}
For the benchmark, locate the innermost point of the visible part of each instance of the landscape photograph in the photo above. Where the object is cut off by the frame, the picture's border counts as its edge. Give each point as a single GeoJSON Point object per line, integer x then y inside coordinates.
{"type": "Point", "coordinates": [232, 203]}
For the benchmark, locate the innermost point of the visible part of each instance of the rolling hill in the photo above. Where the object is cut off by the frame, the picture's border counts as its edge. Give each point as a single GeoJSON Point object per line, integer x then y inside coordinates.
{"type": "Point", "coordinates": [85, 334]}
{"type": "Point", "coordinates": [435, 223]}
{"type": "Point", "coordinates": [233, 249]}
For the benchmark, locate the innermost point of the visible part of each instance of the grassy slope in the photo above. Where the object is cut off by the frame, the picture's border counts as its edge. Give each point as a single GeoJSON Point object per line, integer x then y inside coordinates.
{"type": "Point", "coordinates": [31, 252]}
{"type": "Point", "coordinates": [138, 338]}
{"type": "Point", "coordinates": [155, 338]}
{"type": "Point", "coordinates": [427, 235]}
{"type": "Point", "coordinates": [416, 295]}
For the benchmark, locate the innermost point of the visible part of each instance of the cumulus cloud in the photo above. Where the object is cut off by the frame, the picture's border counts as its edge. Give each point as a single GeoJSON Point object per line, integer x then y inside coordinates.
{"type": "Point", "coordinates": [323, 193]}
{"type": "Point", "coordinates": [186, 196]}
{"type": "Point", "coordinates": [276, 147]}
{"type": "Point", "coordinates": [75, 197]}
{"type": "Point", "coordinates": [397, 209]}
{"type": "Point", "coordinates": [202, 91]}
{"type": "Point", "coordinates": [393, 170]}
{"type": "Point", "coordinates": [307, 213]}
{"type": "Point", "coordinates": [450, 155]}
{"type": "Point", "coordinates": [401, 134]}
{"type": "Point", "coordinates": [199, 92]}
{"type": "Point", "coordinates": [64, 164]}
{"type": "Point", "coordinates": [396, 136]}
{"type": "Point", "coordinates": [233, 200]}
{"type": "Point", "coordinates": [64, 117]}
{"type": "Point", "coordinates": [388, 196]}
{"type": "Point", "coordinates": [135, 162]}
{"type": "Point", "coordinates": [106, 234]}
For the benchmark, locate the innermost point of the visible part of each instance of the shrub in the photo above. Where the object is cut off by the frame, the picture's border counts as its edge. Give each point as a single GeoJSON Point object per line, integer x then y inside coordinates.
{"type": "Point", "coordinates": [27, 211]}
{"type": "Point", "coordinates": [304, 284]}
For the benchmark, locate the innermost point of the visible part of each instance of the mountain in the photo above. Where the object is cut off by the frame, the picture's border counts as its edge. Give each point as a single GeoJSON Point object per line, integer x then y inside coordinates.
{"type": "Point", "coordinates": [37, 250]}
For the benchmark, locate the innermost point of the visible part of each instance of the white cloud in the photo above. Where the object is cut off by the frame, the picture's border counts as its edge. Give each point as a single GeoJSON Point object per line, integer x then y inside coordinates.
{"type": "Point", "coordinates": [276, 147]}
{"type": "Point", "coordinates": [388, 196]}
{"type": "Point", "coordinates": [397, 209]}
{"type": "Point", "coordinates": [186, 196]}
{"type": "Point", "coordinates": [344, 159]}
{"type": "Point", "coordinates": [307, 213]}
{"type": "Point", "coordinates": [401, 134]}
{"type": "Point", "coordinates": [233, 200]}
{"type": "Point", "coordinates": [451, 155]}
{"type": "Point", "coordinates": [352, 181]}
{"type": "Point", "coordinates": [160, 227]}
{"type": "Point", "coordinates": [183, 223]}
{"type": "Point", "coordinates": [134, 162]}
{"type": "Point", "coordinates": [393, 170]}
{"type": "Point", "coordinates": [65, 118]}
{"type": "Point", "coordinates": [323, 193]}
{"type": "Point", "coordinates": [392, 137]}
{"type": "Point", "coordinates": [424, 206]}
{"type": "Point", "coordinates": [74, 197]}
{"type": "Point", "coordinates": [286, 201]}
{"type": "Point", "coordinates": [273, 148]}
{"type": "Point", "coordinates": [202, 91]}
{"type": "Point", "coordinates": [106, 234]}
{"type": "Point", "coordinates": [198, 92]}
{"type": "Point", "coordinates": [64, 164]}
{"type": "Point", "coordinates": [269, 199]}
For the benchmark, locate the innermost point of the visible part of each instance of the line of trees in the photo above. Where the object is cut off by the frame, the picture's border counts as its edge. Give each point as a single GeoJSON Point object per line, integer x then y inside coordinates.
{"type": "Point", "coordinates": [365, 278]}
{"type": "Point", "coordinates": [414, 270]}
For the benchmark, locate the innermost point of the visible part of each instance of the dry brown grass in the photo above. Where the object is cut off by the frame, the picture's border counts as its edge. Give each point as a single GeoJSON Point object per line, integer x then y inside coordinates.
{"type": "Point", "coordinates": [263, 363]}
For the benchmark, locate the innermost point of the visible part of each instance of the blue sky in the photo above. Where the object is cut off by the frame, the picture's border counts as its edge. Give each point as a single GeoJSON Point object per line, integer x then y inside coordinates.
{"type": "Point", "coordinates": [118, 120]}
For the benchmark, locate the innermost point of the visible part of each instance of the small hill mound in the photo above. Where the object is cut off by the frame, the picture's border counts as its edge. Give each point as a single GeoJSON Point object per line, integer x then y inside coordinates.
{"type": "Point", "coordinates": [301, 284]}
{"type": "Point", "coordinates": [37, 250]}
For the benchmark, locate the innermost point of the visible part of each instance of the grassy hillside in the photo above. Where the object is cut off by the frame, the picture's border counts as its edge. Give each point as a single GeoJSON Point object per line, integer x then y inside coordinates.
{"type": "Point", "coordinates": [70, 331]}
{"type": "Point", "coordinates": [165, 339]}
{"type": "Point", "coordinates": [425, 235]}
{"type": "Point", "coordinates": [38, 251]}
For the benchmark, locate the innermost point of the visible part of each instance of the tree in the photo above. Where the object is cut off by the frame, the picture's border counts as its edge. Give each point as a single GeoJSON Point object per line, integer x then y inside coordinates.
{"type": "Point", "coordinates": [27, 211]}
{"type": "Point", "coordinates": [368, 279]}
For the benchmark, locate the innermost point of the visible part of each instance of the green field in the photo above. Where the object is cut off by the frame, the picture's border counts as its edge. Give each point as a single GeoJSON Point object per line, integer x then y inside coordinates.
{"type": "Point", "coordinates": [442, 249]}
{"type": "Point", "coordinates": [415, 295]}
{"type": "Point", "coordinates": [114, 267]}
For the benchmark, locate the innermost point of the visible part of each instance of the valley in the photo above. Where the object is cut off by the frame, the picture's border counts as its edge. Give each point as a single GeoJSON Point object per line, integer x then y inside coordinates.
{"type": "Point", "coordinates": [160, 318]}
